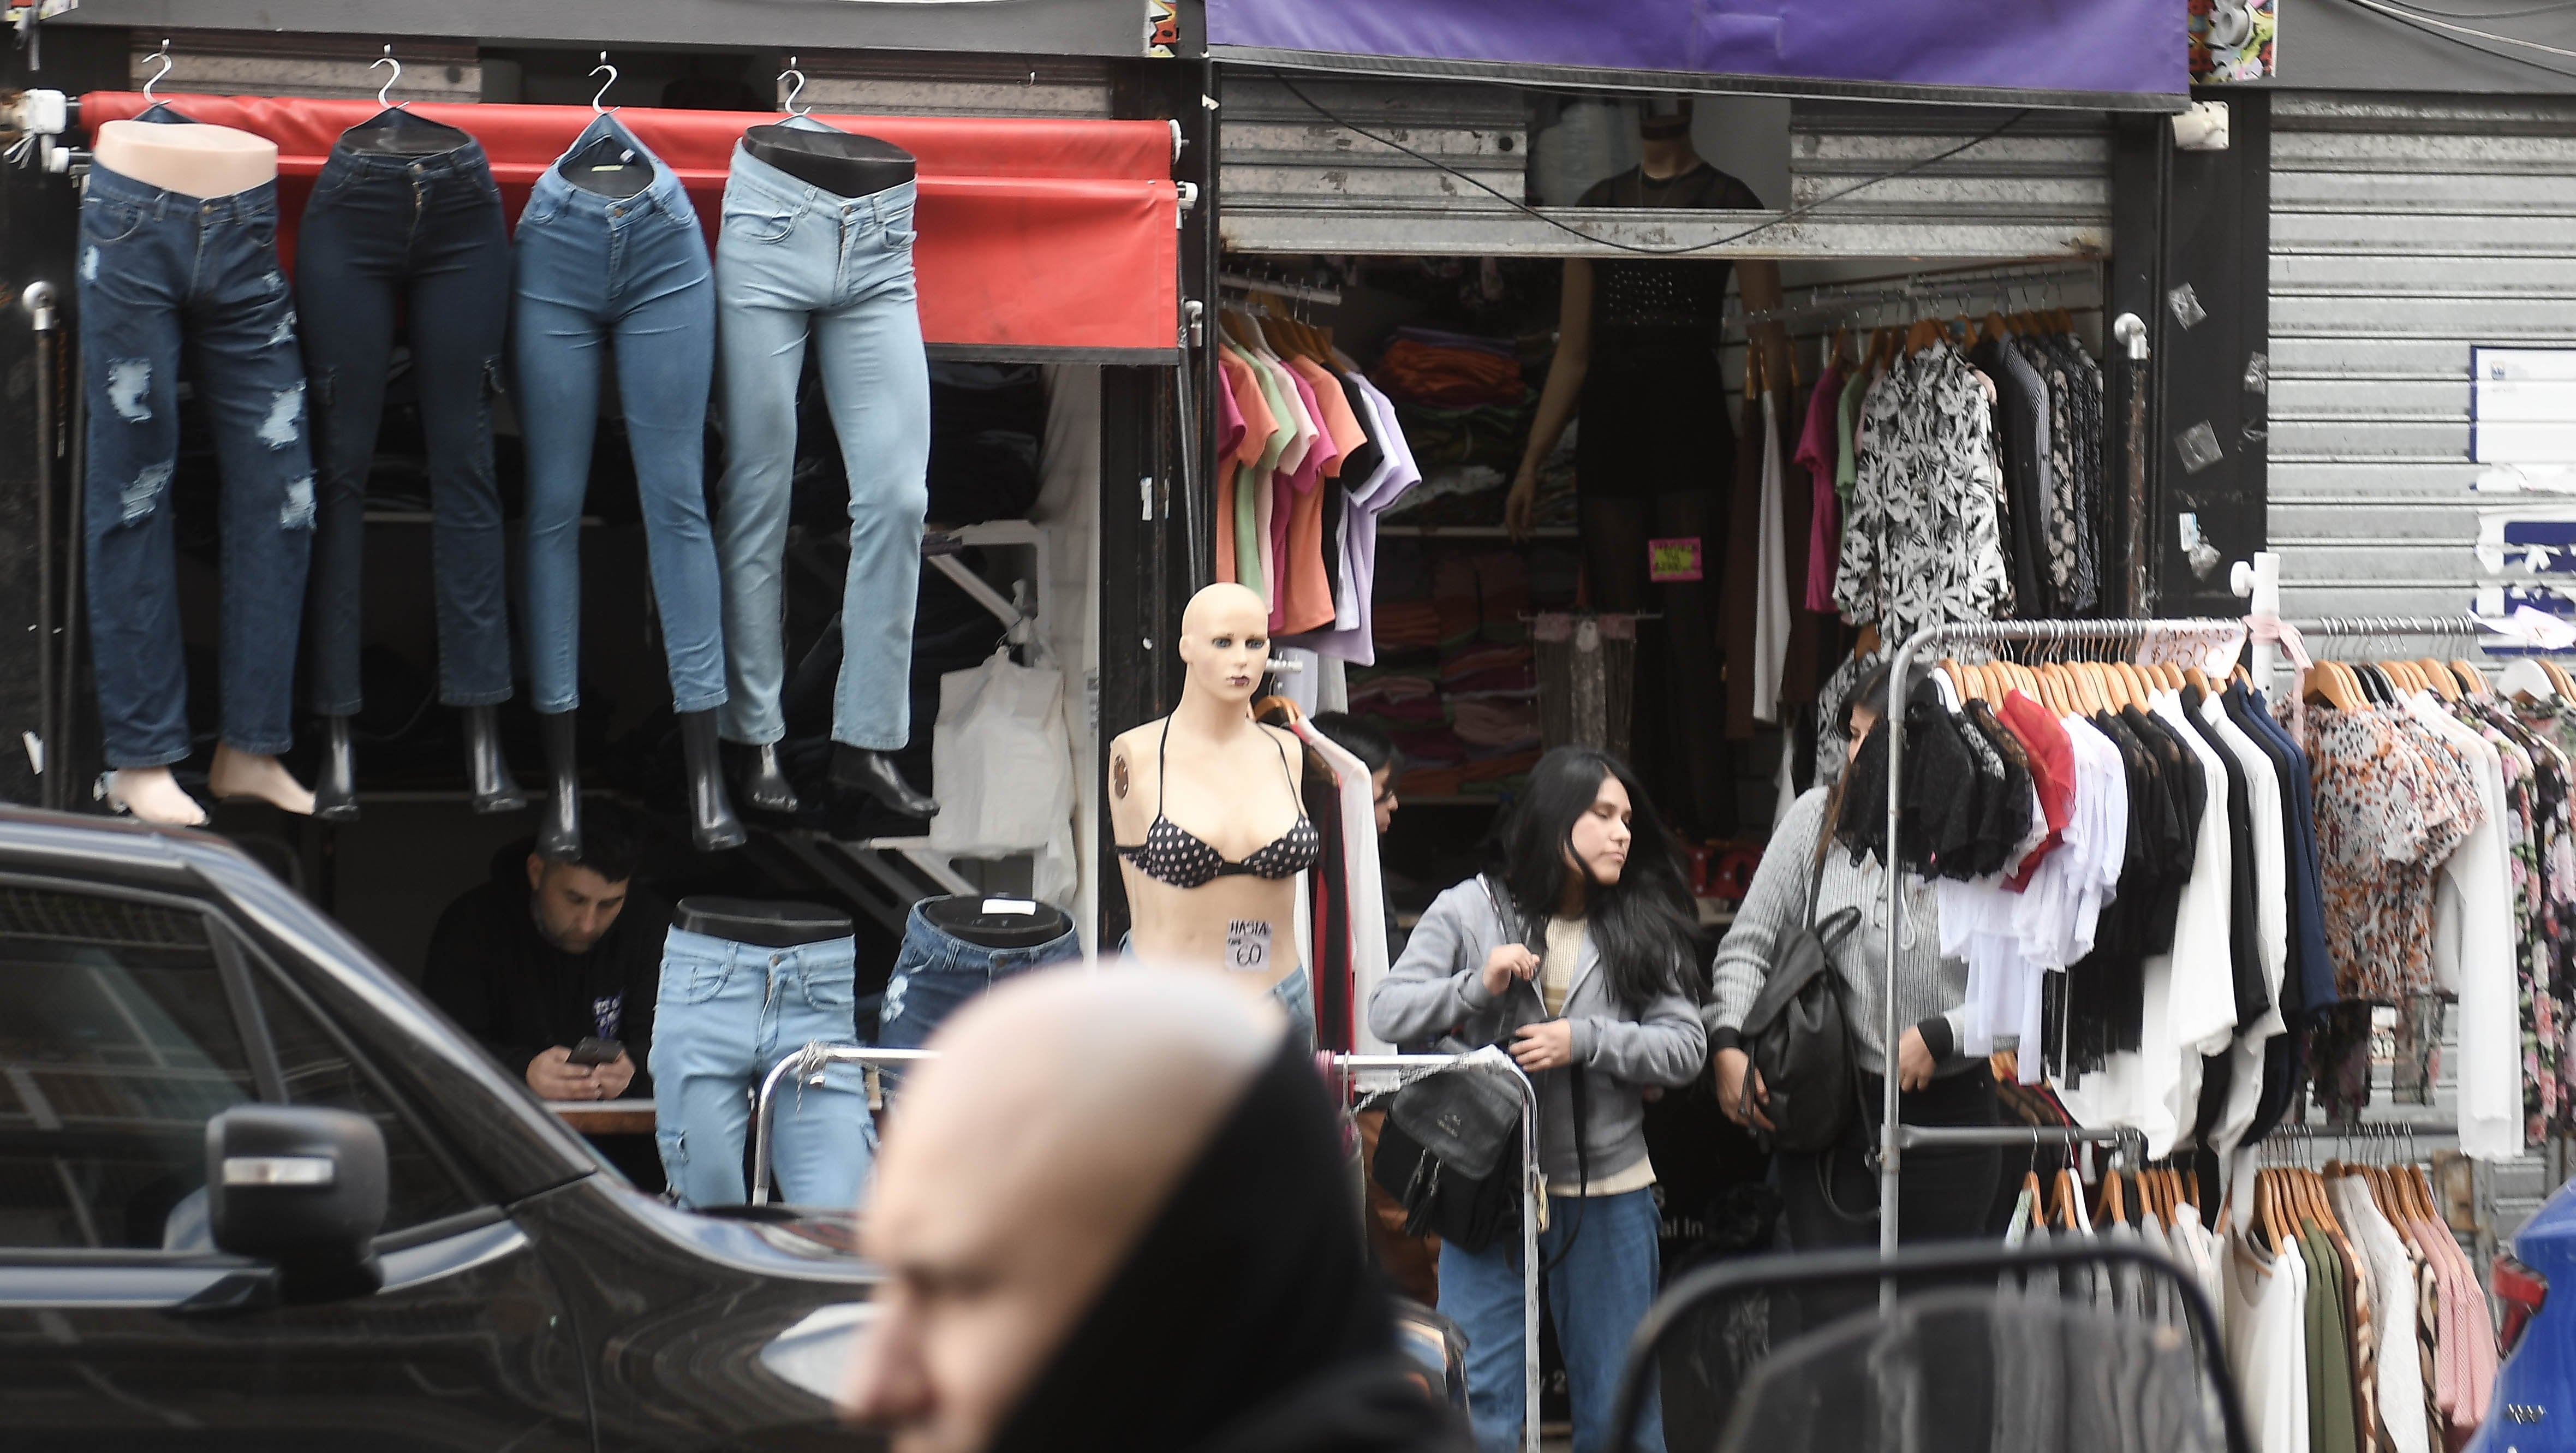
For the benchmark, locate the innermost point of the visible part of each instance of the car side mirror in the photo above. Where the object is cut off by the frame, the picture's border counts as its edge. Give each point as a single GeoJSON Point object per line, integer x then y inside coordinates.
{"type": "Point", "coordinates": [302, 1187]}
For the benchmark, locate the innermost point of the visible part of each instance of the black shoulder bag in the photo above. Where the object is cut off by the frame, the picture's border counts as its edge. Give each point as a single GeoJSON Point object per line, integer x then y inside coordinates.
{"type": "Point", "coordinates": [1796, 1035]}
{"type": "Point", "coordinates": [1450, 1152]}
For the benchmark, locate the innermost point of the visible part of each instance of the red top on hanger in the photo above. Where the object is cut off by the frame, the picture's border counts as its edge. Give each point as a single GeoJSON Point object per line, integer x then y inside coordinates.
{"type": "Point", "coordinates": [1033, 233]}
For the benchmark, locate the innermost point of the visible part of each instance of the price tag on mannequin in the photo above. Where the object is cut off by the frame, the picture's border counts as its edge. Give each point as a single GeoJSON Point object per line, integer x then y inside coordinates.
{"type": "Point", "coordinates": [1674, 559]}
{"type": "Point", "coordinates": [1247, 945]}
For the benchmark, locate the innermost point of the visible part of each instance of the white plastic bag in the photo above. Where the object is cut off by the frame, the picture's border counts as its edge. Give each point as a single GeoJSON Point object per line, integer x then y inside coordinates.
{"type": "Point", "coordinates": [1000, 763]}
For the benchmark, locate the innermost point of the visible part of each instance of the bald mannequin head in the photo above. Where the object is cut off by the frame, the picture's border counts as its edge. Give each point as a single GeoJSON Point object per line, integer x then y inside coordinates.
{"type": "Point", "coordinates": [1225, 641]}
{"type": "Point", "coordinates": [1018, 1170]}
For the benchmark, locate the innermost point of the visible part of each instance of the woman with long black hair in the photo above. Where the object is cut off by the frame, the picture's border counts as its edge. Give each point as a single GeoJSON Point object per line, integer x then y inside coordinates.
{"type": "Point", "coordinates": [1574, 951]}
{"type": "Point", "coordinates": [1830, 1198]}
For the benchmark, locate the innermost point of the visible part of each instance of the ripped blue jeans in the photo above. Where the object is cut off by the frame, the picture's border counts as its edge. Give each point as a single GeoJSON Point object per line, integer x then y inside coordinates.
{"type": "Point", "coordinates": [164, 276]}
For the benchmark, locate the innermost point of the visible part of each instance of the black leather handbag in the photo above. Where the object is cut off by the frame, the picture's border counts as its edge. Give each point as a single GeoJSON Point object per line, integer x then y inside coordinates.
{"type": "Point", "coordinates": [1797, 1038]}
{"type": "Point", "coordinates": [1450, 1152]}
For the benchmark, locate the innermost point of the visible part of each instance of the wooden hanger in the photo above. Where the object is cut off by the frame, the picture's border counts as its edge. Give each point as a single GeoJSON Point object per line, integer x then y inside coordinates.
{"type": "Point", "coordinates": [2472, 680]}
{"type": "Point", "coordinates": [2566, 683]}
{"type": "Point", "coordinates": [2114, 1205]}
{"type": "Point", "coordinates": [1866, 643]}
{"type": "Point", "coordinates": [1283, 704]}
{"type": "Point", "coordinates": [2446, 685]}
{"type": "Point", "coordinates": [2322, 682]}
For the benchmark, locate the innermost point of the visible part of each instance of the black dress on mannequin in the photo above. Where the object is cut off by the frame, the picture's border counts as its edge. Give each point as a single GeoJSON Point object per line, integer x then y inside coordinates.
{"type": "Point", "coordinates": [1655, 458]}
{"type": "Point", "coordinates": [759, 921]}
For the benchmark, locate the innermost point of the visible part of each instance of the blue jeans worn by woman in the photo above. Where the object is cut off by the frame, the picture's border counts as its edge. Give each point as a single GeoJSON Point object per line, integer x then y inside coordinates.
{"type": "Point", "coordinates": [794, 261]}
{"type": "Point", "coordinates": [162, 274]}
{"type": "Point", "coordinates": [1597, 1296]}
{"type": "Point", "coordinates": [727, 1013]}
{"type": "Point", "coordinates": [419, 236]}
{"type": "Point", "coordinates": [592, 274]}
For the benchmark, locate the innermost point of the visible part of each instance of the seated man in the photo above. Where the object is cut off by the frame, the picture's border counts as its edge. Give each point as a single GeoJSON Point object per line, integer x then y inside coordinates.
{"type": "Point", "coordinates": [548, 954]}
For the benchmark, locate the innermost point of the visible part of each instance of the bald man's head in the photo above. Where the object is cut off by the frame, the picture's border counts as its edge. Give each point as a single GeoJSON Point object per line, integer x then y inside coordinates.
{"type": "Point", "coordinates": [1017, 1171]}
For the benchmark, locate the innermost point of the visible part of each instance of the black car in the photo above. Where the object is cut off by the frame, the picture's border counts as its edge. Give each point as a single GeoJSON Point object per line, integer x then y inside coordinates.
{"type": "Point", "coordinates": [254, 1193]}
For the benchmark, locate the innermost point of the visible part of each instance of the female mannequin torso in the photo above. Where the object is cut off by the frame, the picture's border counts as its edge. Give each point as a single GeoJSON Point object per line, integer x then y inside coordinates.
{"type": "Point", "coordinates": [838, 162]}
{"type": "Point", "coordinates": [191, 159]}
{"type": "Point", "coordinates": [1213, 774]}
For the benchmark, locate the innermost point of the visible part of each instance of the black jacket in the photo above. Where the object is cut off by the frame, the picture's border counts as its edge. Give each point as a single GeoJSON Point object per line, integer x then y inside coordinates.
{"type": "Point", "coordinates": [519, 995]}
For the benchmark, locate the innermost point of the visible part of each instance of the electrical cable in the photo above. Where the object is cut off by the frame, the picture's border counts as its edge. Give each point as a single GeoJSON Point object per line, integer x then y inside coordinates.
{"type": "Point", "coordinates": [2421, 21]}
{"type": "Point", "coordinates": [1791, 215]}
{"type": "Point", "coordinates": [2551, 7]}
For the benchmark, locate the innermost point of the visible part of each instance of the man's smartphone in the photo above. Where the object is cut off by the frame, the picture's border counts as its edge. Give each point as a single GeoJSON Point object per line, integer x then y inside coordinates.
{"type": "Point", "coordinates": [597, 1051]}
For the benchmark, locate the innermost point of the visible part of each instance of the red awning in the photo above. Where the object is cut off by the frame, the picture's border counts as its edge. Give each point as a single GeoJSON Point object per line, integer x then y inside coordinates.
{"type": "Point", "coordinates": [1034, 235]}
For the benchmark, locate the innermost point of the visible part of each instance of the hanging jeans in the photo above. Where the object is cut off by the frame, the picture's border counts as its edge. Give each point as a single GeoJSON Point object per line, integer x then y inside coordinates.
{"type": "Point", "coordinates": [936, 972]}
{"type": "Point", "coordinates": [162, 273]}
{"type": "Point", "coordinates": [728, 1012]}
{"type": "Point", "coordinates": [593, 274]}
{"type": "Point", "coordinates": [795, 261]}
{"type": "Point", "coordinates": [1596, 1296]}
{"type": "Point", "coordinates": [419, 236]}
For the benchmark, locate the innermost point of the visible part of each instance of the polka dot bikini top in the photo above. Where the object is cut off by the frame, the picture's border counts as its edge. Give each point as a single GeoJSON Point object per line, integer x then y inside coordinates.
{"type": "Point", "coordinates": [1173, 854]}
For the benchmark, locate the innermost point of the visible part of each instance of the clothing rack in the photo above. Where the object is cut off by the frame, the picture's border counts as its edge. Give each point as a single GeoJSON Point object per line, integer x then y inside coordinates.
{"type": "Point", "coordinates": [1302, 292]}
{"type": "Point", "coordinates": [1894, 1137]}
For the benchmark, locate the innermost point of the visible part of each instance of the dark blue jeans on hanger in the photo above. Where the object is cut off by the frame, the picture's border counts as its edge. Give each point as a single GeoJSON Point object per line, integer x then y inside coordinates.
{"type": "Point", "coordinates": [420, 236]}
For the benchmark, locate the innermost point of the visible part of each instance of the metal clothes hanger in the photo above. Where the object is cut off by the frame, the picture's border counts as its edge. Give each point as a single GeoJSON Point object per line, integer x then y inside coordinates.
{"type": "Point", "coordinates": [596, 106]}
{"type": "Point", "coordinates": [384, 93]}
{"type": "Point", "coordinates": [167, 65]}
{"type": "Point", "coordinates": [792, 92]}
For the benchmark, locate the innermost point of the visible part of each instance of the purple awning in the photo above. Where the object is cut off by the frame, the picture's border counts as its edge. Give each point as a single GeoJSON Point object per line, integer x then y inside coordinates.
{"type": "Point", "coordinates": [2067, 51]}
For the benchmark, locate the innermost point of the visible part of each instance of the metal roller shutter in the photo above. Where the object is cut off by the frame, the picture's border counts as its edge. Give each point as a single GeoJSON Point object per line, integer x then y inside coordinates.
{"type": "Point", "coordinates": [2404, 230]}
{"type": "Point", "coordinates": [1294, 181]}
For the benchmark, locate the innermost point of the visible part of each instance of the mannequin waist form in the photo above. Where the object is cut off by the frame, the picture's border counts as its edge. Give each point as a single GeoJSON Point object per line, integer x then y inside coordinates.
{"type": "Point", "coordinates": [838, 162]}
{"type": "Point", "coordinates": [193, 160]}
{"type": "Point", "coordinates": [756, 921]}
{"type": "Point", "coordinates": [396, 132]}
{"type": "Point", "coordinates": [963, 916]}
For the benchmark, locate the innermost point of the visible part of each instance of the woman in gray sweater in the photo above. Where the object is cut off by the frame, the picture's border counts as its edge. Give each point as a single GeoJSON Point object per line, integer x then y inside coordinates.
{"type": "Point", "coordinates": [1576, 956]}
{"type": "Point", "coordinates": [1831, 1198]}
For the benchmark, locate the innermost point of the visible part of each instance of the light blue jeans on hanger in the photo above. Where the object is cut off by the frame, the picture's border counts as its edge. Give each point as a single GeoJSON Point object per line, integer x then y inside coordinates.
{"type": "Point", "coordinates": [794, 262]}
{"type": "Point", "coordinates": [589, 275]}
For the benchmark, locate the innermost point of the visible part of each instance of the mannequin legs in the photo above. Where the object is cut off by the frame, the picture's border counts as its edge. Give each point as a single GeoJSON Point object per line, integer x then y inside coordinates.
{"type": "Point", "coordinates": [712, 825]}
{"type": "Point", "coordinates": [559, 827]}
{"type": "Point", "coordinates": [758, 779]}
{"type": "Point", "coordinates": [245, 774]}
{"type": "Point", "coordinates": [874, 774]}
{"type": "Point", "coordinates": [335, 780]}
{"type": "Point", "coordinates": [494, 789]}
{"type": "Point", "coordinates": [153, 795]}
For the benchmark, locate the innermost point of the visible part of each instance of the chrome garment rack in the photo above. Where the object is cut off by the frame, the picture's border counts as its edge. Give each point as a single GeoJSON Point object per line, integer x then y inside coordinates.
{"type": "Point", "coordinates": [1895, 1138]}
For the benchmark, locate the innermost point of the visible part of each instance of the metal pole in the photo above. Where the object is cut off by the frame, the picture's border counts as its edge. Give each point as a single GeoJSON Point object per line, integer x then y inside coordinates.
{"type": "Point", "coordinates": [1890, 1146]}
{"type": "Point", "coordinates": [39, 298]}
{"type": "Point", "coordinates": [808, 1061]}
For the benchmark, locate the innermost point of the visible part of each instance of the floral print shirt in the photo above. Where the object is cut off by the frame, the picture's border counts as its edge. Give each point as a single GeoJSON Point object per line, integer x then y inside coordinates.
{"type": "Point", "coordinates": [1923, 543]}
